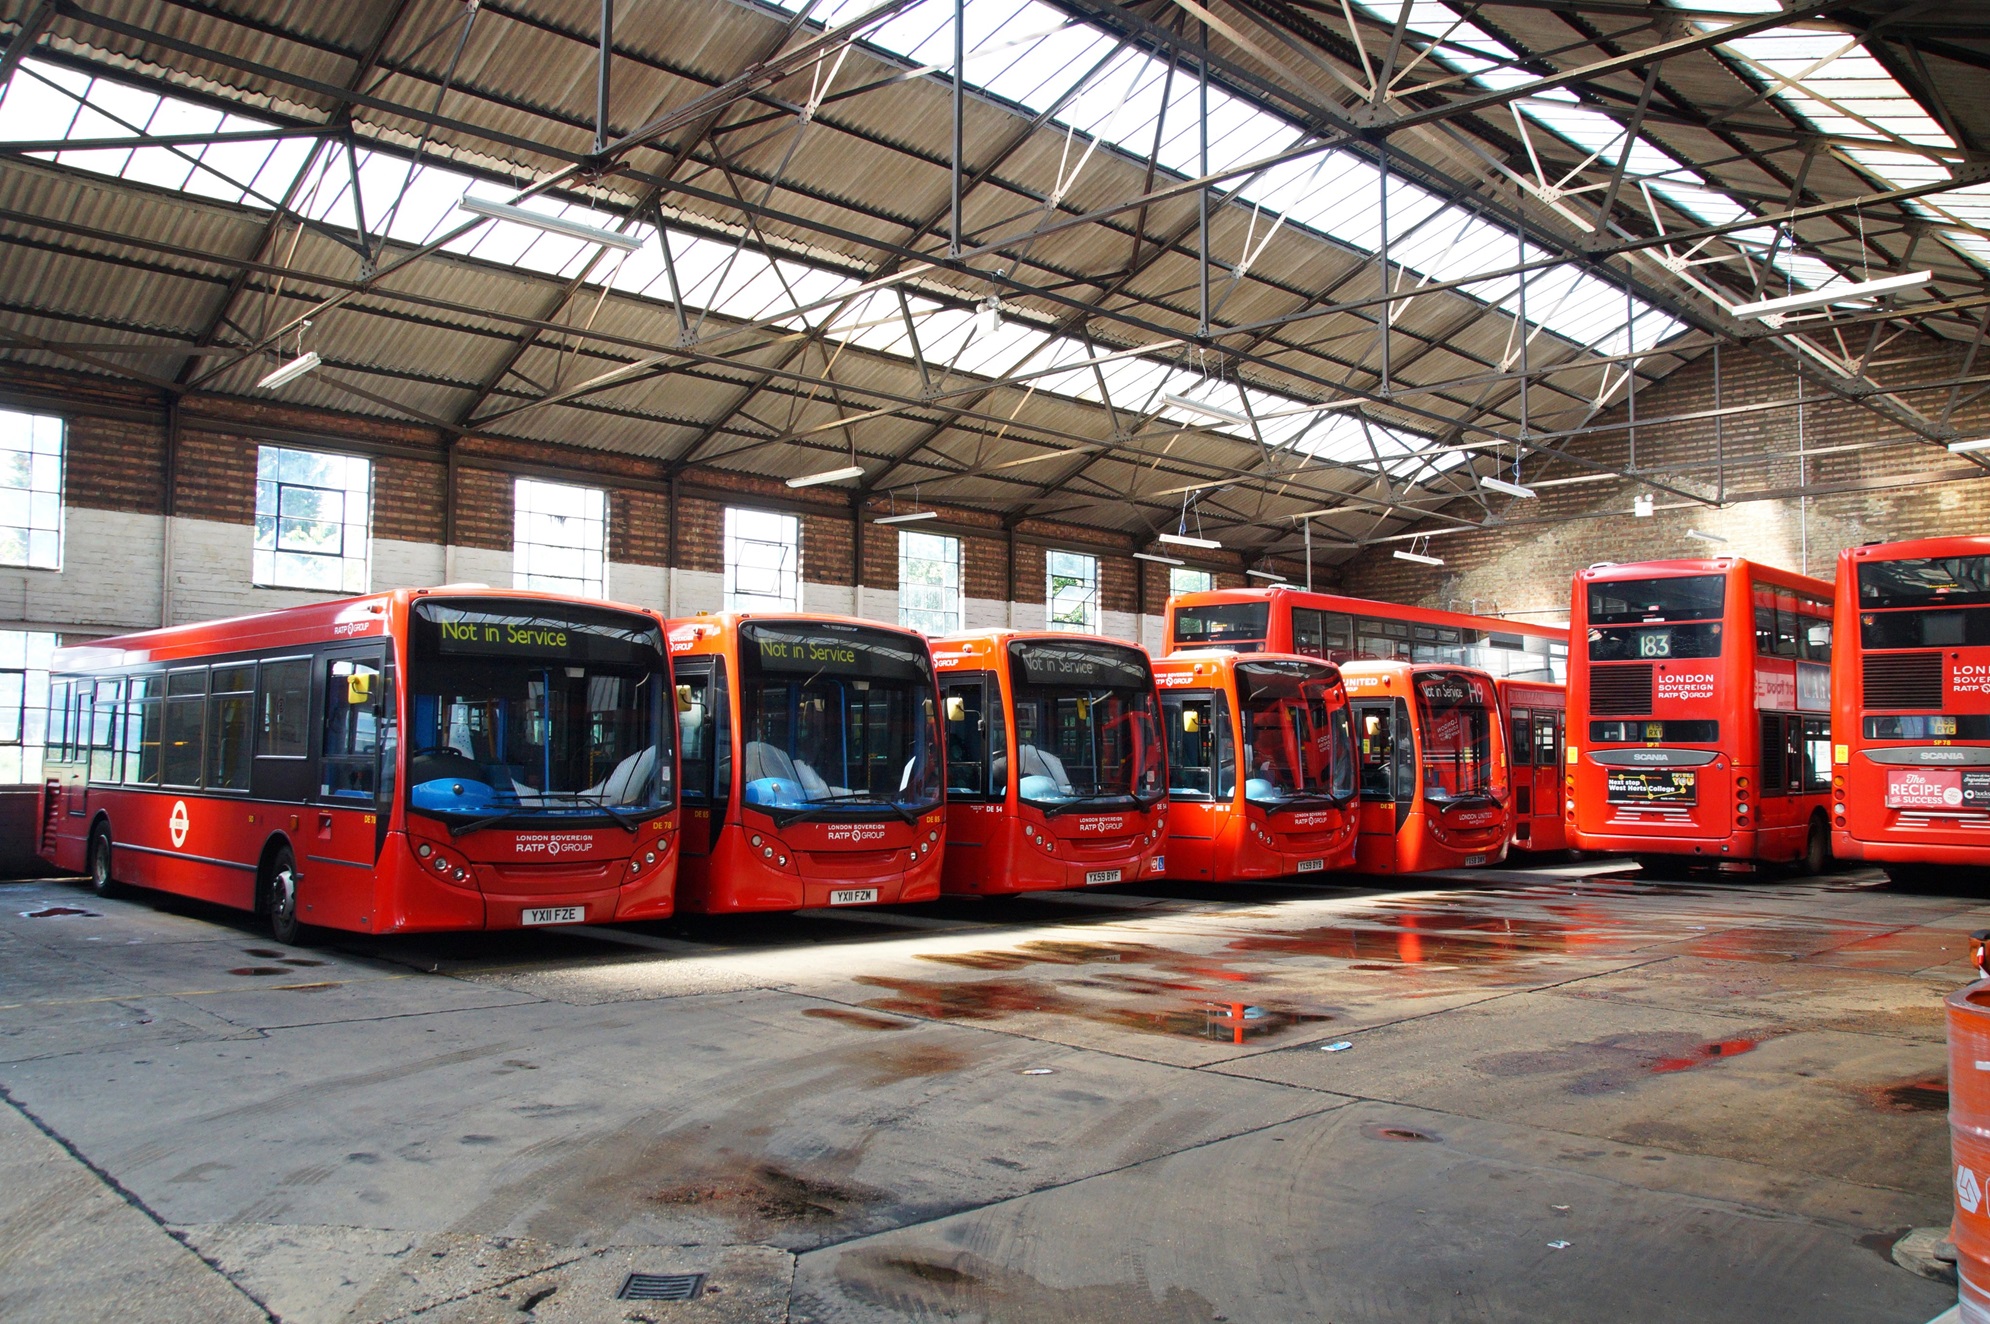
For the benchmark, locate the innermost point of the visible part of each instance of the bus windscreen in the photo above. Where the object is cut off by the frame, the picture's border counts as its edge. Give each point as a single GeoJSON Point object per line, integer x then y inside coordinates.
{"type": "Point", "coordinates": [527, 710]}
{"type": "Point", "coordinates": [1221, 623]}
{"type": "Point", "coordinates": [837, 719]}
{"type": "Point", "coordinates": [1299, 748]}
{"type": "Point", "coordinates": [1455, 713]}
{"type": "Point", "coordinates": [1087, 725]}
{"type": "Point", "coordinates": [1656, 601]}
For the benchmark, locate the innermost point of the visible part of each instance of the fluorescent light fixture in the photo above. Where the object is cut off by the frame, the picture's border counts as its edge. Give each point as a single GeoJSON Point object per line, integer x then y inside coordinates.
{"type": "Point", "coordinates": [290, 371]}
{"type": "Point", "coordinates": [1511, 489]}
{"type": "Point", "coordinates": [1266, 574]}
{"type": "Point", "coordinates": [1967, 447]}
{"type": "Point", "coordinates": [1418, 557]}
{"type": "Point", "coordinates": [1183, 540]}
{"type": "Point", "coordinates": [591, 234]}
{"type": "Point", "coordinates": [912, 518]}
{"type": "Point", "coordinates": [1159, 560]}
{"type": "Point", "coordinates": [1831, 294]}
{"type": "Point", "coordinates": [1217, 412]}
{"type": "Point", "coordinates": [831, 476]}
{"type": "Point", "coordinates": [1705, 537]}
{"type": "Point", "coordinates": [987, 317]}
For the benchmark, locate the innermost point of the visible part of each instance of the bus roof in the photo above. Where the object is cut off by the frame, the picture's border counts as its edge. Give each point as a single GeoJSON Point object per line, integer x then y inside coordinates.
{"type": "Point", "coordinates": [337, 620]}
{"type": "Point", "coordinates": [1366, 607]}
{"type": "Point", "coordinates": [1616, 572]}
{"type": "Point", "coordinates": [1917, 548]}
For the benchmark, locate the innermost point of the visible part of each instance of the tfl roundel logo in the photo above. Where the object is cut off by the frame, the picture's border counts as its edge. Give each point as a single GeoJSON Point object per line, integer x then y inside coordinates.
{"type": "Point", "coordinates": [177, 824]}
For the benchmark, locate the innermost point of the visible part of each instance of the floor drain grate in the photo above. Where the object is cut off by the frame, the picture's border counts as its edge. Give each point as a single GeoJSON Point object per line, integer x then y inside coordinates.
{"type": "Point", "coordinates": [661, 1287]}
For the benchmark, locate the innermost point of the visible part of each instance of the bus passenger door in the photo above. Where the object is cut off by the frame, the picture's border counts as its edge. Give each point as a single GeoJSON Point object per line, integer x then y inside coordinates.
{"type": "Point", "coordinates": [1520, 730]}
{"type": "Point", "coordinates": [1388, 779]}
{"type": "Point", "coordinates": [1548, 773]}
{"type": "Point", "coordinates": [355, 771]}
{"type": "Point", "coordinates": [977, 768]}
{"type": "Point", "coordinates": [705, 738]}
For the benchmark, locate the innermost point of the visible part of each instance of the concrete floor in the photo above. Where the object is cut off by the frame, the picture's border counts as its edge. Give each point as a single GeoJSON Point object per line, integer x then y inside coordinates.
{"type": "Point", "coordinates": [1570, 1095]}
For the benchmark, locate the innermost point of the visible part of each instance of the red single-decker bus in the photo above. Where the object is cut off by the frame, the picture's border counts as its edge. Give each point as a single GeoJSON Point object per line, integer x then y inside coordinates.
{"type": "Point", "coordinates": [1260, 766]}
{"type": "Point", "coordinates": [1436, 790]}
{"type": "Point", "coordinates": [454, 758]}
{"type": "Point", "coordinates": [1911, 714]}
{"type": "Point", "coordinates": [1699, 713]}
{"type": "Point", "coordinates": [1082, 801]}
{"type": "Point", "coordinates": [813, 774]}
{"type": "Point", "coordinates": [1536, 716]}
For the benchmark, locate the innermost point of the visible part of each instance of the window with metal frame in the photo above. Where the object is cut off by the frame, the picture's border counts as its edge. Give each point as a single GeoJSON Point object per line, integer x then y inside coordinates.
{"type": "Point", "coordinates": [1182, 579]}
{"type": "Point", "coordinates": [314, 517]}
{"type": "Point", "coordinates": [929, 582]}
{"type": "Point", "coordinates": [763, 556]}
{"type": "Point", "coordinates": [1071, 591]}
{"type": "Point", "coordinates": [31, 448]}
{"type": "Point", "coordinates": [24, 703]}
{"type": "Point", "coordinates": [559, 538]}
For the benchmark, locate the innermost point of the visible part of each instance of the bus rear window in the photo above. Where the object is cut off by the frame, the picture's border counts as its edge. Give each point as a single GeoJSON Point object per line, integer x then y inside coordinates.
{"type": "Point", "coordinates": [1643, 601]}
{"type": "Point", "coordinates": [1221, 623]}
{"type": "Point", "coordinates": [1630, 643]}
{"type": "Point", "coordinates": [1637, 733]}
{"type": "Point", "coordinates": [1926, 581]}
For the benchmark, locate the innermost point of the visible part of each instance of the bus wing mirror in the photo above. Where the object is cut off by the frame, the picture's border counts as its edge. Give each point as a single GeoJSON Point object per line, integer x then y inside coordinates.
{"type": "Point", "coordinates": [1191, 721]}
{"type": "Point", "coordinates": [956, 708]}
{"type": "Point", "coordinates": [684, 704]}
{"type": "Point", "coordinates": [359, 688]}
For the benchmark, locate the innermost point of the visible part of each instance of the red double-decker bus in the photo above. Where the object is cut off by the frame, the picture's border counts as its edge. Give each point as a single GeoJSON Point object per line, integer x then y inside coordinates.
{"type": "Point", "coordinates": [452, 758]}
{"type": "Point", "coordinates": [1699, 713]}
{"type": "Point", "coordinates": [1281, 619]}
{"type": "Point", "coordinates": [1261, 768]}
{"type": "Point", "coordinates": [1436, 789]}
{"type": "Point", "coordinates": [1911, 713]}
{"type": "Point", "coordinates": [1056, 776]}
{"type": "Point", "coordinates": [1536, 716]}
{"type": "Point", "coordinates": [813, 774]}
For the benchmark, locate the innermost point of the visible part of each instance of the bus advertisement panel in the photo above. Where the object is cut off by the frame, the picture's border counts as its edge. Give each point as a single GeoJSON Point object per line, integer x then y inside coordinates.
{"type": "Point", "coordinates": [1911, 720]}
{"type": "Point", "coordinates": [1340, 629]}
{"type": "Point", "coordinates": [1536, 717]}
{"type": "Point", "coordinates": [455, 758]}
{"type": "Point", "coordinates": [1699, 723]}
{"type": "Point", "coordinates": [1436, 788]}
{"type": "Point", "coordinates": [1261, 768]}
{"type": "Point", "coordinates": [813, 774]}
{"type": "Point", "coordinates": [1082, 800]}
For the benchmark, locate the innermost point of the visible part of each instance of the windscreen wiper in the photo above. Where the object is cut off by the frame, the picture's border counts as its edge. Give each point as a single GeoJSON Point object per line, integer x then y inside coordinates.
{"type": "Point", "coordinates": [475, 824]}
{"type": "Point", "coordinates": [629, 823]}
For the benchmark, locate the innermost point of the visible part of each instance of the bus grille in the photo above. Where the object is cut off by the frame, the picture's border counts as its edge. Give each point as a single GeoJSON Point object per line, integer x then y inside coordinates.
{"type": "Point", "coordinates": [1620, 690]}
{"type": "Point", "coordinates": [1903, 680]}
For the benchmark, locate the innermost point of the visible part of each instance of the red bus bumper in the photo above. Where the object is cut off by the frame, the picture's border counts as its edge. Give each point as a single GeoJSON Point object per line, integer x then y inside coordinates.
{"type": "Point", "coordinates": [735, 877]}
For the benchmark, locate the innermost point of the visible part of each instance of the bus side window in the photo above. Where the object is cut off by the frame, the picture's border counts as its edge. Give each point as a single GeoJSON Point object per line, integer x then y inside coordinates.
{"type": "Point", "coordinates": [1307, 635]}
{"type": "Point", "coordinates": [141, 730]}
{"type": "Point", "coordinates": [1523, 738]}
{"type": "Point", "coordinates": [186, 707]}
{"type": "Point", "coordinates": [969, 728]}
{"type": "Point", "coordinates": [58, 720]}
{"type": "Point", "coordinates": [103, 733]}
{"type": "Point", "coordinates": [230, 708]}
{"type": "Point", "coordinates": [1375, 728]}
{"type": "Point", "coordinates": [353, 694]}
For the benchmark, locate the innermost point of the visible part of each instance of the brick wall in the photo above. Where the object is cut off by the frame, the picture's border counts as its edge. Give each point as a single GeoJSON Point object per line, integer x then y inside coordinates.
{"type": "Point", "coordinates": [1888, 492]}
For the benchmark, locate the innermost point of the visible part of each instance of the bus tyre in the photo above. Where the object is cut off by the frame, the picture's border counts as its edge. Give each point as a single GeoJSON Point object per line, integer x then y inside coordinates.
{"type": "Point", "coordinates": [280, 901]}
{"type": "Point", "coordinates": [1817, 851]}
{"type": "Point", "coordinates": [101, 881]}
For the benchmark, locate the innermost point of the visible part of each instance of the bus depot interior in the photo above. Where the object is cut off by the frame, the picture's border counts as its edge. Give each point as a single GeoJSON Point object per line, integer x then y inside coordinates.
{"type": "Point", "coordinates": [1006, 661]}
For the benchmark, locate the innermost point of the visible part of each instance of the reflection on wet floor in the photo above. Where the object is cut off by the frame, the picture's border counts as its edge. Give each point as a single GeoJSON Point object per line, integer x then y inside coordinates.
{"type": "Point", "coordinates": [994, 999]}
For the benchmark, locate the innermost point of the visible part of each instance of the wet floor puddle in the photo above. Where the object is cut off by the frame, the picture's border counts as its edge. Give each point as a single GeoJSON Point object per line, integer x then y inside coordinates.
{"type": "Point", "coordinates": [1607, 1065]}
{"type": "Point", "coordinates": [993, 999]}
{"type": "Point", "coordinates": [60, 912]}
{"type": "Point", "coordinates": [1924, 1094]}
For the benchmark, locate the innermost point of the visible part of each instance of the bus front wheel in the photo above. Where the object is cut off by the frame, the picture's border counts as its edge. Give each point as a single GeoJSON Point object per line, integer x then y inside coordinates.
{"type": "Point", "coordinates": [101, 881]}
{"type": "Point", "coordinates": [280, 901]}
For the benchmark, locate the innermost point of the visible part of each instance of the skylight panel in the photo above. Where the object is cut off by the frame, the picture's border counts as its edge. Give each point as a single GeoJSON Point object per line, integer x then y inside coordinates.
{"type": "Point", "coordinates": [1826, 78]}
